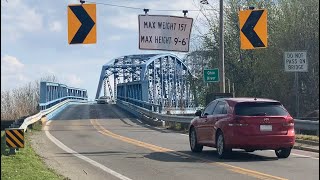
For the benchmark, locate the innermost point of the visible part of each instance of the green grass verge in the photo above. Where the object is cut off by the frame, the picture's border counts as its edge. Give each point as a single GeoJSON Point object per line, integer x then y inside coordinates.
{"type": "Point", "coordinates": [25, 164]}
{"type": "Point", "coordinates": [307, 137]}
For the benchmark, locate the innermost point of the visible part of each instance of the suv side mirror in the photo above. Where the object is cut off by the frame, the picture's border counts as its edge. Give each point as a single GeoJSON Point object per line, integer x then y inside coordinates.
{"type": "Point", "coordinates": [198, 113]}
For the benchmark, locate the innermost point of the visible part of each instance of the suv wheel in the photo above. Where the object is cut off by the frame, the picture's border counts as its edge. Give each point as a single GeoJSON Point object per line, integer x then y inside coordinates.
{"type": "Point", "coordinates": [283, 152]}
{"type": "Point", "coordinates": [195, 147]}
{"type": "Point", "coordinates": [221, 149]}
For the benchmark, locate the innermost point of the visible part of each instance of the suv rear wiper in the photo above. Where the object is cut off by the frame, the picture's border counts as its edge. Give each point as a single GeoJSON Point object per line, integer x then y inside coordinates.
{"type": "Point", "coordinates": [259, 114]}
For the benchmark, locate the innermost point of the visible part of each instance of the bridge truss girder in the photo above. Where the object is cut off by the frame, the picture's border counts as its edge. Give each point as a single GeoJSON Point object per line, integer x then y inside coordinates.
{"type": "Point", "coordinates": [164, 78]}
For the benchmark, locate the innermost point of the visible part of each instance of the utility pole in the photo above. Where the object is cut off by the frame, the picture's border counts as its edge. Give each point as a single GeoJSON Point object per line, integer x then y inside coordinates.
{"type": "Point", "coordinates": [221, 49]}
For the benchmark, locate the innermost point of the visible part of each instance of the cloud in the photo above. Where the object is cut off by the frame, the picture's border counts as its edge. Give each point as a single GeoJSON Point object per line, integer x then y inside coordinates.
{"type": "Point", "coordinates": [19, 18]}
{"type": "Point", "coordinates": [115, 38]}
{"type": "Point", "coordinates": [12, 72]}
{"type": "Point", "coordinates": [55, 26]}
{"type": "Point", "coordinates": [128, 21]}
{"type": "Point", "coordinates": [73, 80]}
{"type": "Point", "coordinates": [10, 65]}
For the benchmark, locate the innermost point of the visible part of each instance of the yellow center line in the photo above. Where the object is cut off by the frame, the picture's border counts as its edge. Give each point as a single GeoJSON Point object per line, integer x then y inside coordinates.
{"type": "Point", "coordinates": [155, 148]}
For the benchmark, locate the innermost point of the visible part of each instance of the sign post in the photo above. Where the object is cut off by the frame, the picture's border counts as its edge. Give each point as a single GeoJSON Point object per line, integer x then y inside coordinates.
{"type": "Point", "coordinates": [296, 62]}
{"type": "Point", "coordinates": [159, 32]}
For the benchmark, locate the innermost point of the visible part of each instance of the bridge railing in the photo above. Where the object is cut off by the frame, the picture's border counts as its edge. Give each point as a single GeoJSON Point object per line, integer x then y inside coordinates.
{"type": "Point", "coordinates": [52, 93]}
{"type": "Point", "coordinates": [52, 103]}
{"type": "Point", "coordinates": [301, 126]}
{"type": "Point", "coordinates": [32, 119]}
{"type": "Point", "coordinates": [52, 96]}
{"type": "Point", "coordinates": [143, 104]}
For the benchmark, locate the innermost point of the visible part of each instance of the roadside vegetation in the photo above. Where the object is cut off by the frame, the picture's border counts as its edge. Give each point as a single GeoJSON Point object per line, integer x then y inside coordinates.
{"type": "Point", "coordinates": [25, 164]}
{"type": "Point", "coordinates": [293, 25]}
{"type": "Point", "coordinates": [22, 101]}
{"type": "Point", "coordinates": [307, 137]}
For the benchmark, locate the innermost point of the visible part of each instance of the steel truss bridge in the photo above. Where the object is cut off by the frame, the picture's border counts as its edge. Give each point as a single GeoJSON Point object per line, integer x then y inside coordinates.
{"type": "Point", "coordinates": [158, 79]}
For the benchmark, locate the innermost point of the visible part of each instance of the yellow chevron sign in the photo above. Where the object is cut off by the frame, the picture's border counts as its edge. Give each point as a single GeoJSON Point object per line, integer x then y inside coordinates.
{"type": "Point", "coordinates": [253, 29]}
{"type": "Point", "coordinates": [82, 27]}
{"type": "Point", "coordinates": [15, 138]}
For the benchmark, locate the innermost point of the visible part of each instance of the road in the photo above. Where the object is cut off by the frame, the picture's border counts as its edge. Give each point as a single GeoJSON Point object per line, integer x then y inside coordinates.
{"type": "Point", "coordinates": [100, 141]}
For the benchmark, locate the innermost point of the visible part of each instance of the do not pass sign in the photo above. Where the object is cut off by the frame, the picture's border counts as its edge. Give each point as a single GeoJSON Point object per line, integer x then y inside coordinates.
{"type": "Point", "coordinates": [296, 61]}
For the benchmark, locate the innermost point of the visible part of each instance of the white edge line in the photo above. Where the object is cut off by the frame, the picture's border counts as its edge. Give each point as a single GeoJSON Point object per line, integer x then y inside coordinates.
{"type": "Point", "coordinates": [300, 155]}
{"type": "Point", "coordinates": [94, 163]}
{"type": "Point", "coordinates": [305, 156]}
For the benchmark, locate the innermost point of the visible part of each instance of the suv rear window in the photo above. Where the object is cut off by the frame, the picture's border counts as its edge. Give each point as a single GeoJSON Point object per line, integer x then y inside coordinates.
{"type": "Point", "coordinates": [260, 109]}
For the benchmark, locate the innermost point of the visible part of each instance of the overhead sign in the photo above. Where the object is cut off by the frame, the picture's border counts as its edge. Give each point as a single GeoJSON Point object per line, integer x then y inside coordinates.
{"type": "Point", "coordinates": [171, 33]}
{"type": "Point", "coordinates": [253, 29]}
{"type": "Point", "coordinates": [296, 61]}
{"type": "Point", "coordinates": [211, 75]}
{"type": "Point", "coordinates": [82, 27]}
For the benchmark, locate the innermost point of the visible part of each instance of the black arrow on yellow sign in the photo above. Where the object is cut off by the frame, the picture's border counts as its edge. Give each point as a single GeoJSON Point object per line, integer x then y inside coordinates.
{"type": "Point", "coordinates": [248, 29]}
{"type": "Point", "coordinates": [253, 29]}
{"type": "Point", "coordinates": [86, 24]}
{"type": "Point", "coordinates": [82, 24]}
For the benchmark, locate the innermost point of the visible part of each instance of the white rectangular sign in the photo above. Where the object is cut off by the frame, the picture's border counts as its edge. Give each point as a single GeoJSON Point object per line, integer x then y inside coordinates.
{"type": "Point", "coordinates": [158, 32]}
{"type": "Point", "coordinates": [296, 61]}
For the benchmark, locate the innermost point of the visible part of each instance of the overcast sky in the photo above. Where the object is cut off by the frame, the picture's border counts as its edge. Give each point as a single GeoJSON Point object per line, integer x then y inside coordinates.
{"type": "Point", "coordinates": [34, 39]}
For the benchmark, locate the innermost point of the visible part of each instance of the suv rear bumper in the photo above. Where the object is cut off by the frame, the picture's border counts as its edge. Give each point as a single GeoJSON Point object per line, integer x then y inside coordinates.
{"type": "Point", "coordinates": [261, 142]}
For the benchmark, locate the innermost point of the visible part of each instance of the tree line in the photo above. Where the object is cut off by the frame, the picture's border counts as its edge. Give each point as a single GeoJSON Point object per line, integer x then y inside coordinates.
{"type": "Point", "coordinates": [293, 25]}
{"type": "Point", "coordinates": [22, 101]}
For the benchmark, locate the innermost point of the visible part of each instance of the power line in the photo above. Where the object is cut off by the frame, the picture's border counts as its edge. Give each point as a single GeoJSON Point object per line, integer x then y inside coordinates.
{"type": "Point", "coordinates": [130, 7]}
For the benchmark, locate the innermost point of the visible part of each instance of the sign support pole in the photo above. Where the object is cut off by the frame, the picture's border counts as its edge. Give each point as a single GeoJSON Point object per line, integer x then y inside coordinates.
{"type": "Point", "coordinates": [297, 93]}
{"type": "Point", "coordinates": [221, 49]}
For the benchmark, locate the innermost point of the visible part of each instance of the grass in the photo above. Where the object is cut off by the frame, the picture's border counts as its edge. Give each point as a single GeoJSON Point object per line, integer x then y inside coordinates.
{"type": "Point", "coordinates": [307, 137]}
{"type": "Point", "coordinates": [37, 126]}
{"type": "Point", "coordinates": [25, 164]}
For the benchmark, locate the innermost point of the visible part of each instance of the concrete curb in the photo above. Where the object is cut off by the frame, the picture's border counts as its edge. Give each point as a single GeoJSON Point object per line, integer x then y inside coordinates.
{"type": "Point", "coordinates": [312, 143]}
{"type": "Point", "coordinates": [304, 148]}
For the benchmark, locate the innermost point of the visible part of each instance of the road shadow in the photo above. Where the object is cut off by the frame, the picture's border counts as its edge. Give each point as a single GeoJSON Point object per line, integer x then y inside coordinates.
{"type": "Point", "coordinates": [103, 153]}
{"type": "Point", "coordinates": [207, 156]}
{"type": "Point", "coordinates": [102, 112]}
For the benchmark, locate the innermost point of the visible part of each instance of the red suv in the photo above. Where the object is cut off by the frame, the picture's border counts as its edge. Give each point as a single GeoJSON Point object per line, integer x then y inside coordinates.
{"type": "Point", "coordinates": [243, 123]}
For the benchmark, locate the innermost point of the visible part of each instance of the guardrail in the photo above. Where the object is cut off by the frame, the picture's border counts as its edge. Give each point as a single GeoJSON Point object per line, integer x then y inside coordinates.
{"type": "Point", "coordinates": [32, 119]}
{"type": "Point", "coordinates": [17, 130]}
{"type": "Point", "coordinates": [301, 126]}
{"type": "Point", "coordinates": [52, 103]}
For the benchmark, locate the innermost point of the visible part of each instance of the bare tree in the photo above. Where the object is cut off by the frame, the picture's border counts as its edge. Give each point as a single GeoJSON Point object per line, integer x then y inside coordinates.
{"type": "Point", "coordinates": [22, 101]}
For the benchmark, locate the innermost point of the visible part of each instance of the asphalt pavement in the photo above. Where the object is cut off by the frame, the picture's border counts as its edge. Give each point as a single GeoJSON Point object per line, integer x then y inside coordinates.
{"type": "Point", "coordinates": [100, 141]}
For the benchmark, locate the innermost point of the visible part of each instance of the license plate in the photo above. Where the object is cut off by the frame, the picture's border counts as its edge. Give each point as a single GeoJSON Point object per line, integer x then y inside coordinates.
{"type": "Point", "coordinates": [265, 127]}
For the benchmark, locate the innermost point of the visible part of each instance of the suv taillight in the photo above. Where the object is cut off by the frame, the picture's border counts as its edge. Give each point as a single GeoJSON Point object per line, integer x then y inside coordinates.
{"type": "Point", "coordinates": [289, 122]}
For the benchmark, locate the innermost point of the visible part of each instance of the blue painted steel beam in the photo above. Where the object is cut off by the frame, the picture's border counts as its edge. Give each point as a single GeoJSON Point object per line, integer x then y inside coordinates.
{"type": "Point", "coordinates": [52, 93]}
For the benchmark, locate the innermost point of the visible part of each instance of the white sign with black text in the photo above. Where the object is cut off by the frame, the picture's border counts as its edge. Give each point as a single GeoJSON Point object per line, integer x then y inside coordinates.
{"type": "Point", "coordinates": [159, 32]}
{"type": "Point", "coordinates": [296, 61]}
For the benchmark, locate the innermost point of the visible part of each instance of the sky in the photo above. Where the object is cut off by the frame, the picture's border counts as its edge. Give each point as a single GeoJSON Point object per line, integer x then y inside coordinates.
{"type": "Point", "coordinates": [34, 39]}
